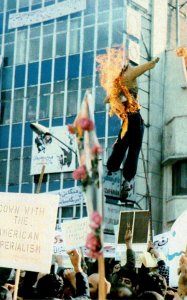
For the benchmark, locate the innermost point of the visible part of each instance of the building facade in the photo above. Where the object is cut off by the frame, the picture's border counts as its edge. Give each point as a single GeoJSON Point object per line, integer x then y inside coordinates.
{"type": "Point", "coordinates": [174, 159]}
{"type": "Point", "coordinates": [49, 50]}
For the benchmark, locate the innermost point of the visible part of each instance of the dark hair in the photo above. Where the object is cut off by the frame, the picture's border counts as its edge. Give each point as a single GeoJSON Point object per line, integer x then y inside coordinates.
{"type": "Point", "coordinates": [3, 293]}
{"type": "Point", "coordinates": [150, 295]}
{"type": "Point", "coordinates": [4, 275]}
{"type": "Point", "coordinates": [50, 285]}
{"type": "Point", "coordinates": [154, 282]}
{"type": "Point", "coordinates": [127, 273]}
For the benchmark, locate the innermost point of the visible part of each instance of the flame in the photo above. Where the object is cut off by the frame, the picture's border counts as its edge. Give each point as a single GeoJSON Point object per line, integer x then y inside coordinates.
{"type": "Point", "coordinates": [110, 65]}
{"type": "Point", "coordinates": [111, 79]}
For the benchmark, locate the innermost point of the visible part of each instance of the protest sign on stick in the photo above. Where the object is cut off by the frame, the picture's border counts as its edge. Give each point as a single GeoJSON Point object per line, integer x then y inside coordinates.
{"type": "Point", "coordinates": [27, 226]}
{"type": "Point", "coordinates": [75, 232]}
{"type": "Point", "coordinates": [139, 224]}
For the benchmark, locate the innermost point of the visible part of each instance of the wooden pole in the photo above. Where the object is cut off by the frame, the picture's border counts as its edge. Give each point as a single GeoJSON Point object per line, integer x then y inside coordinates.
{"type": "Point", "coordinates": [40, 179]}
{"type": "Point", "coordinates": [102, 288]}
{"type": "Point", "coordinates": [16, 284]}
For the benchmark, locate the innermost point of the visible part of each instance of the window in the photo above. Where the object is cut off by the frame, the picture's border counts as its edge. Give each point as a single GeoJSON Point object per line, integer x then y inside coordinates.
{"type": "Point", "coordinates": [88, 38]}
{"type": "Point", "coordinates": [18, 111]}
{"type": "Point", "coordinates": [21, 47]}
{"type": "Point", "coordinates": [34, 49]}
{"type": "Point", "coordinates": [5, 112]}
{"type": "Point", "coordinates": [9, 54]}
{"type": "Point", "coordinates": [102, 39]}
{"type": "Point", "coordinates": [47, 46]}
{"type": "Point", "coordinates": [58, 105]}
{"type": "Point", "coordinates": [100, 96]}
{"type": "Point", "coordinates": [23, 3]}
{"type": "Point", "coordinates": [74, 42]}
{"type": "Point", "coordinates": [10, 4]}
{"type": "Point", "coordinates": [60, 44]}
{"type": "Point", "coordinates": [179, 178]}
{"type": "Point", "coordinates": [44, 106]}
{"type": "Point", "coordinates": [117, 33]}
{"type": "Point", "coordinates": [72, 103]}
{"type": "Point", "coordinates": [31, 109]}
{"type": "Point", "coordinates": [3, 164]}
{"type": "Point", "coordinates": [5, 107]}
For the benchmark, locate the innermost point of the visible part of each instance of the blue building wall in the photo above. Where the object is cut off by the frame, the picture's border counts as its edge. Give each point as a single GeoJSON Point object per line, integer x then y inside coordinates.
{"type": "Point", "coordinates": [47, 64]}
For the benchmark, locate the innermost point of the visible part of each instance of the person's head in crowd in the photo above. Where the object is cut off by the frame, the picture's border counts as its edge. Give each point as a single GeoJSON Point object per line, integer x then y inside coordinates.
{"type": "Point", "coordinates": [4, 275]}
{"type": "Point", "coordinates": [153, 282]}
{"type": "Point", "coordinates": [93, 280]}
{"type": "Point", "coordinates": [150, 295]}
{"type": "Point", "coordinates": [50, 285]}
{"type": "Point", "coordinates": [121, 291]}
{"type": "Point", "coordinates": [126, 277]}
{"type": "Point", "coordinates": [5, 294]}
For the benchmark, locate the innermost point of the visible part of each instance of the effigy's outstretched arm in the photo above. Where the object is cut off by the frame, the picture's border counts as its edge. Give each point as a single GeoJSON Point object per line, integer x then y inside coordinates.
{"type": "Point", "coordinates": [133, 73]}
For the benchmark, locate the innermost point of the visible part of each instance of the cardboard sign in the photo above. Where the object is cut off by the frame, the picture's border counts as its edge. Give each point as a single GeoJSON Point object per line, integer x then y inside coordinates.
{"type": "Point", "coordinates": [48, 151]}
{"type": "Point", "coordinates": [139, 224]}
{"type": "Point", "coordinates": [75, 233]}
{"type": "Point", "coordinates": [27, 226]}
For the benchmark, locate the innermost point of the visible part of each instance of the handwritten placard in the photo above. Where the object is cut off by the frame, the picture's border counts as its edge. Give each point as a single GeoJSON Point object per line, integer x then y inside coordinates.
{"type": "Point", "coordinates": [75, 233]}
{"type": "Point", "coordinates": [27, 226]}
{"type": "Point", "coordinates": [71, 196]}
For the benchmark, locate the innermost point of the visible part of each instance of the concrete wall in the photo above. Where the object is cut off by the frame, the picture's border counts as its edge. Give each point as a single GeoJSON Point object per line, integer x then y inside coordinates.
{"type": "Point", "coordinates": [175, 117]}
{"type": "Point", "coordinates": [157, 77]}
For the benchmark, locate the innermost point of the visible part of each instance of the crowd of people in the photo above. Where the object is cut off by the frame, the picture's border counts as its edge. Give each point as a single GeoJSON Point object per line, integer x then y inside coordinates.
{"type": "Point", "coordinates": [81, 282]}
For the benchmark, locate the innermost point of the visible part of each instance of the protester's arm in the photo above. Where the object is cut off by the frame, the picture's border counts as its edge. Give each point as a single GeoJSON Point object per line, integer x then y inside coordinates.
{"type": "Point", "coordinates": [130, 253]}
{"type": "Point", "coordinates": [82, 285]}
{"type": "Point", "coordinates": [133, 73]}
{"type": "Point", "coordinates": [162, 268]}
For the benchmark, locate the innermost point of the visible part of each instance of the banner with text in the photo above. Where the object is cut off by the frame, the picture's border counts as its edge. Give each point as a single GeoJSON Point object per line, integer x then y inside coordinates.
{"type": "Point", "coordinates": [75, 232]}
{"type": "Point", "coordinates": [48, 151]}
{"type": "Point", "coordinates": [27, 226]}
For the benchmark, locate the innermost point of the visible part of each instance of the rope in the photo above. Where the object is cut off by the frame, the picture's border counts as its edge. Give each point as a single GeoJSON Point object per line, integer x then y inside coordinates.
{"type": "Point", "coordinates": [148, 195]}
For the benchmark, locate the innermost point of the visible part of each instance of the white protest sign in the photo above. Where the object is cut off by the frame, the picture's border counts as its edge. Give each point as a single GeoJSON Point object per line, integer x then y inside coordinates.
{"type": "Point", "coordinates": [161, 242]}
{"type": "Point", "coordinates": [177, 244]}
{"type": "Point", "coordinates": [27, 225]}
{"type": "Point", "coordinates": [58, 246]}
{"type": "Point", "coordinates": [70, 196]}
{"type": "Point", "coordinates": [75, 233]}
{"type": "Point", "coordinates": [48, 151]}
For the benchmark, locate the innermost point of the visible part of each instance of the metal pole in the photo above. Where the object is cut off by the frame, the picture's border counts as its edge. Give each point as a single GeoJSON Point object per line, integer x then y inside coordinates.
{"type": "Point", "coordinates": [177, 24]}
{"type": "Point", "coordinates": [62, 143]}
{"type": "Point", "coordinates": [148, 197]}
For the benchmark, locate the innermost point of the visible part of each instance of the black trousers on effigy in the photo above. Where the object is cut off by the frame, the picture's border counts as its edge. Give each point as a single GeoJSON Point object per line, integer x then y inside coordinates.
{"type": "Point", "coordinates": [132, 141]}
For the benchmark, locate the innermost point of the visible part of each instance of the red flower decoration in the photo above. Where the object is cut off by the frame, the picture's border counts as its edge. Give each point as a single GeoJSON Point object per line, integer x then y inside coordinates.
{"type": "Point", "coordinates": [80, 173]}
{"type": "Point", "coordinates": [96, 220]}
{"type": "Point", "coordinates": [85, 124]}
{"type": "Point", "coordinates": [92, 242]}
{"type": "Point", "coordinates": [96, 149]}
{"type": "Point", "coordinates": [71, 129]}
